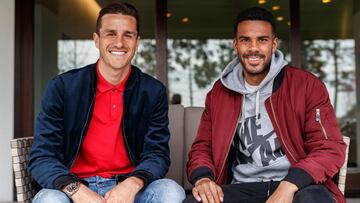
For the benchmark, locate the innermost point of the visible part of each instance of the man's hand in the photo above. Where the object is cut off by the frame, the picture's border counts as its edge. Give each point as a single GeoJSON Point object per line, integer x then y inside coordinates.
{"type": "Point", "coordinates": [207, 191]}
{"type": "Point", "coordinates": [284, 193]}
{"type": "Point", "coordinates": [84, 194]}
{"type": "Point", "coordinates": [125, 191]}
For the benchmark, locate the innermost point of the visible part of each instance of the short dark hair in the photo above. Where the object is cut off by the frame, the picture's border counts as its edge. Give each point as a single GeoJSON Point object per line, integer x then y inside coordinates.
{"type": "Point", "coordinates": [255, 13]}
{"type": "Point", "coordinates": [118, 8]}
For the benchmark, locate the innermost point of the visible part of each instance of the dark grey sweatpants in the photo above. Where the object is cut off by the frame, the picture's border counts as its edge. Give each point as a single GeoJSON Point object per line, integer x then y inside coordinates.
{"type": "Point", "coordinates": [260, 192]}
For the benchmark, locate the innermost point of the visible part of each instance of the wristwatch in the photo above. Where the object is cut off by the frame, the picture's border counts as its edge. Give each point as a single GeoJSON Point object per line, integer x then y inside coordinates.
{"type": "Point", "coordinates": [71, 188]}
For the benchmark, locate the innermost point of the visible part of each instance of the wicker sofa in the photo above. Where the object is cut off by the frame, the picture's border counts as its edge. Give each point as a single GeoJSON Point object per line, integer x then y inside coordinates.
{"type": "Point", "coordinates": [183, 125]}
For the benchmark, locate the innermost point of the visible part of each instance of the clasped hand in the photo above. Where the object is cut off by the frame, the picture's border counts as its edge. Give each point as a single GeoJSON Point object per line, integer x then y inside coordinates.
{"type": "Point", "coordinates": [124, 192]}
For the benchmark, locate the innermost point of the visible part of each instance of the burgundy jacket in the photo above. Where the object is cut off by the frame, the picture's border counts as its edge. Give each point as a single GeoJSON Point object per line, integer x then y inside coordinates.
{"type": "Point", "coordinates": [303, 119]}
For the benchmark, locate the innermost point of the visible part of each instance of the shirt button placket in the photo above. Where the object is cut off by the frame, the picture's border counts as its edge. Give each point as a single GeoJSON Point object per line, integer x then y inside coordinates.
{"type": "Point", "coordinates": [113, 103]}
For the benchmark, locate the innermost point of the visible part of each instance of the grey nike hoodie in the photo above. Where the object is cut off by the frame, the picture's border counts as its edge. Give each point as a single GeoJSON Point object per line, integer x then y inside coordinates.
{"type": "Point", "coordinates": [259, 156]}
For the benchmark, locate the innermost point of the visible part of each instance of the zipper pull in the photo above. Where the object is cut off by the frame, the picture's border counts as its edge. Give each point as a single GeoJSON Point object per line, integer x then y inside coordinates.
{"type": "Point", "coordinates": [317, 116]}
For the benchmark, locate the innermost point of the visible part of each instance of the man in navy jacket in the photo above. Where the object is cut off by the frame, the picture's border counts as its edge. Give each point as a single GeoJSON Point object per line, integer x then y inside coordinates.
{"type": "Point", "coordinates": [102, 133]}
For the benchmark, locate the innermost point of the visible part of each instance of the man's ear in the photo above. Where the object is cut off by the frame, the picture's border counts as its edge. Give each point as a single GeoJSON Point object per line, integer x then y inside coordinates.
{"type": "Point", "coordinates": [275, 44]}
{"type": "Point", "coordinates": [234, 43]}
{"type": "Point", "coordinates": [96, 39]}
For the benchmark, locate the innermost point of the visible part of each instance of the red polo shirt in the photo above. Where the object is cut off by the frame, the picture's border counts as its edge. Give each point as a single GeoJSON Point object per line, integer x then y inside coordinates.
{"type": "Point", "coordinates": [103, 152]}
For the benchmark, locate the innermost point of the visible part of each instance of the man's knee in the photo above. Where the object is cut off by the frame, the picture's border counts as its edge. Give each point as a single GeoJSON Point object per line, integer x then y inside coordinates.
{"type": "Point", "coordinates": [165, 190]}
{"type": "Point", "coordinates": [313, 193]}
{"type": "Point", "coordinates": [48, 195]}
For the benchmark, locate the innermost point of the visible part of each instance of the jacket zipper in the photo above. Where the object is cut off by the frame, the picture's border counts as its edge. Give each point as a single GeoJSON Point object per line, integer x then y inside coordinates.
{"type": "Point", "coordinates": [82, 131]}
{"type": "Point", "coordinates": [228, 150]}
{"type": "Point", "coordinates": [281, 137]}
{"type": "Point", "coordinates": [127, 145]}
{"type": "Point", "coordinates": [318, 119]}
{"type": "Point", "coordinates": [124, 136]}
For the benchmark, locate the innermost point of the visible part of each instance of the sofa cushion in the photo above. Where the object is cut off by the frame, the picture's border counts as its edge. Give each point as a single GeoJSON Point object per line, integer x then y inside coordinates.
{"type": "Point", "coordinates": [176, 143]}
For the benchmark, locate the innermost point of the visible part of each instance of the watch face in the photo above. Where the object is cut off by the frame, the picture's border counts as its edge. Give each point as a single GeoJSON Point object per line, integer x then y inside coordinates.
{"type": "Point", "coordinates": [73, 187]}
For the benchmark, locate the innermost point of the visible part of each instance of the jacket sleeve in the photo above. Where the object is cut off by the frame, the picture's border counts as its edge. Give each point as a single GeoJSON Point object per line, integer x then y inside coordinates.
{"type": "Point", "coordinates": [155, 160]}
{"type": "Point", "coordinates": [322, 140]}
{"type": "Point", "coordinates": [200, 163]}
{"type": "Point", "coordinates": [45, 161]}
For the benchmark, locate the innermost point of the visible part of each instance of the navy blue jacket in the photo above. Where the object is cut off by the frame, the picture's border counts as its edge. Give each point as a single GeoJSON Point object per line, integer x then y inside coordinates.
{"type": "Point", "coordinates": [65, 115]}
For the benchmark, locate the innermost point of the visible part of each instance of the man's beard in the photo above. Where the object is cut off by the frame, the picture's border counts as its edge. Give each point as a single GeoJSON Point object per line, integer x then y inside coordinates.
{"type": "Point", "coordinates": [262, 70]}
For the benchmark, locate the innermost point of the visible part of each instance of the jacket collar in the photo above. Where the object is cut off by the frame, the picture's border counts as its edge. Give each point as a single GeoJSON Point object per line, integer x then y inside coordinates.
{"type": "Point", "coordinates": [278, 79]}
{"type": "Point", "coordinates": [131, 81]}
{"type": "Point", "coordinates": [133, 78]}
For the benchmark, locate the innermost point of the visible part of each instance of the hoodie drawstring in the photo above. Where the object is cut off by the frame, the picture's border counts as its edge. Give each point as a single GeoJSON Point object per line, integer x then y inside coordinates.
{"type": "Point", "coordinates": [257, 108]}
{"type": "Point", "coordinates": [242, 120]}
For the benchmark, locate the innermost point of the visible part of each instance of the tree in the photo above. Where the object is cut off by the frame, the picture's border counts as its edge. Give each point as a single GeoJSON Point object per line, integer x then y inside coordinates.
{"type": "Point", "coordinates": [73, 54]}
{"type": "Point", "coordinates": [317, 54]}
{"type": "Point", "coordinates": [216, 55]}
{"type": "Point", "coordinates": [342, 77]}
{"type": "Point", "coordinates": [203, 59]}
{"type": "Point", "coordinates": [311, 58]}
{"type": "Point", "coordinates": [145, 56]}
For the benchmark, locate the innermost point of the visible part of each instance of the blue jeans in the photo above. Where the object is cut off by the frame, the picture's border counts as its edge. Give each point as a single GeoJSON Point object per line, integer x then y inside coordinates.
{"type": "Point", "coordinates": [159, 191]}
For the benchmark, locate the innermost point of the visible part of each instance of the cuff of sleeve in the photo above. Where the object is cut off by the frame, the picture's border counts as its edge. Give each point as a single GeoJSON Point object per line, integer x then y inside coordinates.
{"type": "Point", "coordinates": [201, 172]}
{"type": "Point", "coordinates": [61, 181]}
{"type": "Point", "coordinates": [299, 177]}
{"type": "Point", "coordinates": [143, 175]}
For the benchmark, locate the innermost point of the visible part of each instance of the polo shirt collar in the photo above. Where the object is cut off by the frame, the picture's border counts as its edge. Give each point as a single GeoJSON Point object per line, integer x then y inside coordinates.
{"type": "Point", "coordinates": [103, 85]}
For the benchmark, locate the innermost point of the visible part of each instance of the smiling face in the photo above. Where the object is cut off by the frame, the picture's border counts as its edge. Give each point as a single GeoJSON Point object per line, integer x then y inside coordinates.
{"type": "Point", "coordinates": [117, 42]}
{"type": "Point", "coordinates": [254, 44]}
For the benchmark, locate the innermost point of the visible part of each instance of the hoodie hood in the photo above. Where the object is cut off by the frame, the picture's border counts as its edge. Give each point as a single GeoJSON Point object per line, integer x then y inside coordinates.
{"type": "Point", "coordinates": [233, 79]}
{"type": "Point", "coordinates": [232, 76]}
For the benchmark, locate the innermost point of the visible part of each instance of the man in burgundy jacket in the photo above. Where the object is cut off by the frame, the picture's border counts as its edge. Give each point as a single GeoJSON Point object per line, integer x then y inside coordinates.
{"type": "Point", "coordinates": [268, 132]}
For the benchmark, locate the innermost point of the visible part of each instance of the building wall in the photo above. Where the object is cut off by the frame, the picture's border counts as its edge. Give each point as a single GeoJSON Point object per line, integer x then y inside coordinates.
{"type": "Point", "coordinates": [7, 36]}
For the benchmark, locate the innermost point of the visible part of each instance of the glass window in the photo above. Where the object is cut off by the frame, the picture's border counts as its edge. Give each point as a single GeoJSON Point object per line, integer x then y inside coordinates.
{"type": "Point", "coordinates": [75, 54]}
{"type": "Point", "coordinates": [328, 51]}
{"type": "Point", "coordinates": [194, 65]}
